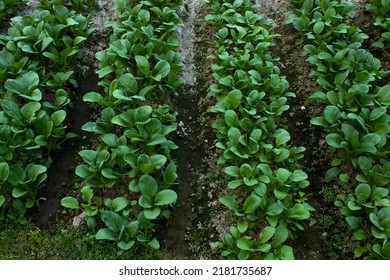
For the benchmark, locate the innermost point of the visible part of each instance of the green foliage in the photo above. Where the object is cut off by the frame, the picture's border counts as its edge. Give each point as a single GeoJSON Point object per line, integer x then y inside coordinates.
{"type": "Point", "coordinates": [261, 167]}
{"type": "Point", "coordinates": [35, 54]}
{"type": "Point", "coordinates": [7, 8]}
{"type": "Point", "coordinates": [356, 115]}
{"type": "Point", "coordinates": [380, 9]}
{"type": "Point", "coordinates": [132, 160]}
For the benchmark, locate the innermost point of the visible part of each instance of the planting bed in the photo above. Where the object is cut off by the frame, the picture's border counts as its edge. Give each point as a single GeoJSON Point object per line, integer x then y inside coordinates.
{"type": "Point", "coordinates": [196, 129]}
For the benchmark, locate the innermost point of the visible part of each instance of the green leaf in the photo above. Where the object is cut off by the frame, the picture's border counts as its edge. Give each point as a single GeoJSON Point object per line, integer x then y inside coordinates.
{"type": "Point", "coordinates": [318, 27]}
{"type": "Point", "coordinates": [362, 192]}
{"type": "Point", "coordinates": [113, 221]}
{"type": "Point", "coordinates": [87, 193]}
{"type": "Point", "coordinates": [229, 202]}
{"type": "Point", "coordinates": [233, 99]}
{"type": "Point", "coordinates": [28, 110]}
{"type": "Point", "coordinates": [298, 175]}
{"type": "Point", "coordinates": [119, 203]}
{"type": "Point", "coordinates": [152, 214]}
{"type": "Point", "coordinates": [246, 170]}
{"type": "Point", "coordinates": [251, 203]}
{"type": "Point", "coordinates": [384, 95]}
{"type": "Point", "coordinates": [274, 209]}
{"type": "Point", "coordinates": [331, 173]}
{"type": "Point", "coordinates": [126, 245]}
{"type": "Point", "coordinates": [282, 137]}
{"type": "Point", "coordinates": [232, 171]}
{"type": "Point", "coordinates": [18, 192]}
{"type": "Point", "coordinates": [2, 200]}
{"type": "Point", "coordinates": [282, 174]}
{"type": "Point", "coordinates": [105, 234]}
{"type": "Point", "coordinates": [165, 197]}
{"type": "Point", "coordinates": [70, 202]}
{"type": "Point", "coordinates": [354, 222]}
{"type": "Point", "coordinates": [332, 114]}
{"type": "Point", "coordinates": [298, 212]}
{"type": "Point", "coordinates": [110, 139]}
{"type": "Point", "coordinates": [266, 234]}
{"type": "Point", "coordinates": [58, 117]}
{"type": "Point", "coordinates": [4, 172]}
{"type": "Point", "coordinates": [242, 225]}
{"type": "Point", "coordinates": [161, 70]}
{"type": "Point", "coordinates": [340, 77]}
{"type": "Point", "coordinates": [334, 140]}
{"type": "Point", "coordinates": [286, 253]}
{"type": "Point", "coordinates": [143, 64]}
{"type": "Point", "coordinates": [148, 186]}
{"type": "Point", "coordinates": [154, 244]}
{"type": "Point", "coordinates": [281, 235]}
{"type": "Point", "coordinates": [377, 113]}
{"type": "Point", "coordinates": [231, 118]}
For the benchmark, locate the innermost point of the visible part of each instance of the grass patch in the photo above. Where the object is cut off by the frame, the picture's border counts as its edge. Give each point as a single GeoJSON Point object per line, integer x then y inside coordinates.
{"type": "Point", "coordinates": [29, 242]}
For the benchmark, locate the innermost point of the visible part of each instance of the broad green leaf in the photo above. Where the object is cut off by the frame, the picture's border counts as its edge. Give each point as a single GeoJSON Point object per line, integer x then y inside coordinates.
{"type": "Point", "coordinates": [281, 235]}
{"type": "Point", "coordinates": [35, 170]}
{"type": "Point", "coordinates": [332, 114]}
{"type": "Point", "coordinates": [125, 245]}
{"type": "Point", "coordinates": [233, 99]}
{"type": "Point", "coordinates": [105, 234]}
{"type": "Point", "coordinates": [119, 203]}
{"type": "Point", "coordinates": [161, 70]}
{"type": "Point", "coordinates": [152, 214]}
{"type": "Point", "coordinates": [354, 222]}
{"type": "Point", "coordinates": [110, 139]}
{"type": "Point", "coordinates": [4, 172]}
{"type": "Point", "coordinates": [28, 110]}
{"type": "Point", "coordinates": [282, 137]}
{"type": "Point", "coordinates": [252, 203]}
{"type": "Point", "coordinates": [229, 202]}
{"type": "Point", "coordinates": [87, 193]}
{"type": "Point", "coordinates": [246, 170]}
{"type": "Point", "coordinates": [165, 197]}
{"type": "Point", "coordinates": [298, 175]}
{"type": "Point", "coordinates": [298, 212]}
{"type": "Point", "coordinates": [113, 221]}
{"type": "Point", "coordinates": [286, 253]}
{"type": "Point", "coordinates": [231, 118]}
{"type": "Point", "coordinates": [334, 140]}
{"type": "Point", "coordinates": [58, 117]}
{"type": "Point", "coordinates": [282, 174]}
{"type": "Point", "coordinates": [274, 209]}
{"type": "Point", "coordinates": [232, 171]}
{"type": "Point", "coordinates": [246, 244]}
{"type": "Point", "coordinates": [242, 225]}
{"type": "Point", "coordinates": [384, 95]}
{"type": "Point", "coordinates": [266, 234]}
{"type": "Point", "coordinates": [2, 200]}
{"type": "Point", "coordinates": [360, 234]}
{"type": "Point", "coordinates": [148, 186]}
{"type": "Point", "coordinates": [70, 202]}
{"type": "Point", "coordinates": [362, 192]}
{"type": "Point", "coordinates": [154, 244]}
{"type": "Point", "coordinates": [318, 27]}
{"type": "Point", "coordinates": [143, 64]}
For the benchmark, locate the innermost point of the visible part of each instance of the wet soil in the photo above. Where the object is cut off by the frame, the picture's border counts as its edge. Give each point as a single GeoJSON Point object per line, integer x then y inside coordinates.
{"type": "Point", "coordinates": [189, 109]}
{"type": "Point", "coordinates": [61, 174]}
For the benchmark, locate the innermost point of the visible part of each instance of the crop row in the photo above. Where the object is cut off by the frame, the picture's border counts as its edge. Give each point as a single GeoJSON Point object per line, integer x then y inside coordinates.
{"type": "Point", "coordinates": [129, 174]}
{"type": "Point", "coordinates": [265, 181]}
{"type": "Point", "coordinates": [356, 118]}
{"type": "Point", "coordinates": [33, 79]}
